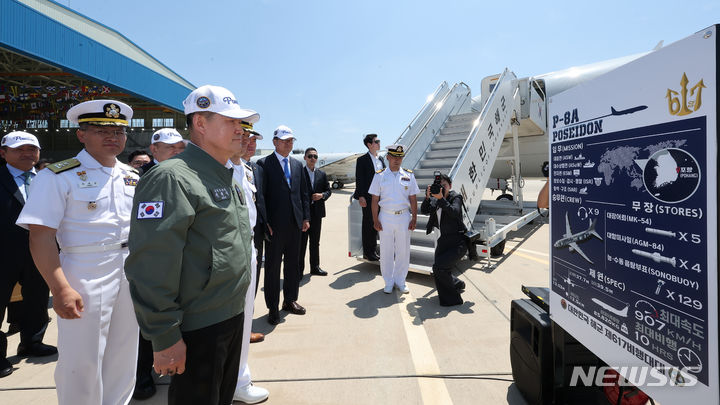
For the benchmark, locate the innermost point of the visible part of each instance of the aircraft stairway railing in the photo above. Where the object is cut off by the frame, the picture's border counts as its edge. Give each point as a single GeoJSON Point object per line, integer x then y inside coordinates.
{"type": "Point", "coordinates": [419, 135]}
{"type": "Point", "coordinates": [471, 170]}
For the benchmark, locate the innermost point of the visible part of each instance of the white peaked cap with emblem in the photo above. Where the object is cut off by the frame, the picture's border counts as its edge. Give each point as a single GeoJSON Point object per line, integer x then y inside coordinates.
{"type": "Point", "coordinates": [218, 100]}
{"type": "Point", "coordinates": [396, 150]}
{"type": "Point", "coordinates": [283, 132]}
{"type": "Point", "coordinates": [169, 136]}
{"type": "Point", "coordinates": [101, 112]}
{"type": "Point", "coordinates": [19, 138]}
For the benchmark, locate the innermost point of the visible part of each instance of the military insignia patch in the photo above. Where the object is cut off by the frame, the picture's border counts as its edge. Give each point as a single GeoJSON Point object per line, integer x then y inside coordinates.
{"type": "Point", "coordinates": [64, 165]}
{"type": "Point", "coordinates": [221, 194]}
{"type": "Point", "coordinates": [203, 102]}
{"type": "Point", "coordinates": [112, 110]}
{"type": "Point", "coordinates": [150, 210]}
{"type": "Point", "coordinates": [130, 181]}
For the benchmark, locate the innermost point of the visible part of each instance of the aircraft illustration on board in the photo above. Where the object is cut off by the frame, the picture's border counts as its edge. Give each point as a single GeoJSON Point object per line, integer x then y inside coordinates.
{"type": "Point", "coordinates": [571, 240]}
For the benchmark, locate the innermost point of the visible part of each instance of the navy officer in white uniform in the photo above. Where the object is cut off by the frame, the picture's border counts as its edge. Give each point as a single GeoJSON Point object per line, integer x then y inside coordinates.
{"type": "Point", "coordinates": [84, 203]}
{"type": "Point", "coordinates": [245, 391]}
{"type": "Point", "coordinates": [394, 209]}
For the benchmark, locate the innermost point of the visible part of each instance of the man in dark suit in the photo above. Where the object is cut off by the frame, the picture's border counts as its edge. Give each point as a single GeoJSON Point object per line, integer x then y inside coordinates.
{"type": "Point", "coordinates": [451, 246]}
{"type": "Point", "coordinates": [288, 215]}
{"type": "Point", "coordinates": [319, 192]}
{"type": "Point", "coordinates": [365, 168]}
{"type": "Point", "coordinates": [21, 151]}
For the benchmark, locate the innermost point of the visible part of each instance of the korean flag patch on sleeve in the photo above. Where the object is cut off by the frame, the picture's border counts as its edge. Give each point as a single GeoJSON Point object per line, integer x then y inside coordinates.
{"type": "Point", "coordinates": [150, 210]}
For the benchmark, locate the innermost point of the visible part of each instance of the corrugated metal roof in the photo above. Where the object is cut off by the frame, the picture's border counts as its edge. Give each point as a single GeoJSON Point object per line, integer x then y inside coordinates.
{"type": "Point", "coordinates": [57, 35]}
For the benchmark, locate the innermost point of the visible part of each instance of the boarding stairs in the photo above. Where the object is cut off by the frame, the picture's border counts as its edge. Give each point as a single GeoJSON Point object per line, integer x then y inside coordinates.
{"type": "Point", "coordinates": [451, 136]}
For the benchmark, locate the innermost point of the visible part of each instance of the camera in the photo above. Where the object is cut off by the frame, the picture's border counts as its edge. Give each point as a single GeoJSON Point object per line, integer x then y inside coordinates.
{"type": "Point", "coordinates": [436, 188]}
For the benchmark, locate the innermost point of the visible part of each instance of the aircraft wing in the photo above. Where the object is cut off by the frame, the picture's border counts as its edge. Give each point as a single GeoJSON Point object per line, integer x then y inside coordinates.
{"type": "Point", "coordinates": [342, 169]}
{"type": "Point", "coordinates": [568, 232]}
{"type": "Point", "coordinates": [577, 249]}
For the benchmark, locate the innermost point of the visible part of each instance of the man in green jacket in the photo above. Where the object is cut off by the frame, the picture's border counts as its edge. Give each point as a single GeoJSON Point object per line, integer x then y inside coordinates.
{"type": "Point", "coordinates": [189, 262]}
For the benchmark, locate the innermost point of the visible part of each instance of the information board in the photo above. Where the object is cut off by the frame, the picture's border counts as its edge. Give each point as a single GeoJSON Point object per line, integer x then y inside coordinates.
{"type": "Point", "coordinates": [634, 218]}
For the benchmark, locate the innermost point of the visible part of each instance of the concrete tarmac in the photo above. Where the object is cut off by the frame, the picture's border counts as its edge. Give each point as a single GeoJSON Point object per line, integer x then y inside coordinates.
{"type": "Point", "coordinates": [357, 345]}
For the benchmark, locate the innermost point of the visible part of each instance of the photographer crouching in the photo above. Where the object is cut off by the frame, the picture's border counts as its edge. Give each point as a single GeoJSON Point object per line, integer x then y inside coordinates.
{"type": "Point", "coordinates": [445, 209]}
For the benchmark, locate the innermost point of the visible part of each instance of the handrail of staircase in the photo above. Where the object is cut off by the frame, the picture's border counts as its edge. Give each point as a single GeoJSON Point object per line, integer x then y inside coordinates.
{"type": "Point", "coordinates": [432, 116]}
{"type": "Point", "coordinates": [420, 134]}
{"type": "Point", "coordinates": [442, 103]}
{"type": "Point", "coordinates": [420, 111]}
{"type": "Point", "coordinates": [476, 127]}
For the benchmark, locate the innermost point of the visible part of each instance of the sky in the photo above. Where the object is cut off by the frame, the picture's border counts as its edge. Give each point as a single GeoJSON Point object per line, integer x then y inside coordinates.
{"type": "Point", "coordinates": [335, 70]}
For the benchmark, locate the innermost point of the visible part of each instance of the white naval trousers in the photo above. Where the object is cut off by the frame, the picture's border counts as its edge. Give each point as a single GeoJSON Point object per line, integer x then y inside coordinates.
{"type": "Point", "coordinates": [394, 247]}
{"type": "Point", "coordinates": [98, 352]}
{"type": "Point", "coordinates": [244, 377]}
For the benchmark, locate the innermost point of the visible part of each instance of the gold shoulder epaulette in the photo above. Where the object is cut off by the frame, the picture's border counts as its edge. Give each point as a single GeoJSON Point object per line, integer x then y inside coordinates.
{"type": "Point", "coordinates": [379, 171]}
{"type": "Point", "coordinates": [129, 168]}
{"type": "Point", "coordinates": [408, 170]}
{"type": "Point", "coordinates": [63, 165]}
{"type": "Point", "coordinates": [247, 166]}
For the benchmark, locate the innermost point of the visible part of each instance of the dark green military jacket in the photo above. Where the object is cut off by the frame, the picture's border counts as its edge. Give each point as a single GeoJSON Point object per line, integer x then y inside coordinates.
{"type": "Point", "coordinates": [189, 262]}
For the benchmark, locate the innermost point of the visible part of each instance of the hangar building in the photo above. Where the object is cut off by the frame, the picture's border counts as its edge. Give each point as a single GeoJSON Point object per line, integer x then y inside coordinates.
{"type": "Point", "coordinates": [52, 58]}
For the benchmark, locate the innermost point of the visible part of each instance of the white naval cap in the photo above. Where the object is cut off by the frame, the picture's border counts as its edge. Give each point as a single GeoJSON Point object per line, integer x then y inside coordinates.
{"type": "Point", "coordinates": [19, 138]}
{"type": "Point", "coordinates": [218, 100]}
{"type": "Point", "coordinates": [396, 150]}
{"type": "Point", "coordinates": [169, 136]}
{"type": "Point", "coordinates": [249, 128]}
{"type": "Point", "coordinates": [283, 132]}
{"type": "Point", "coordinates": [101, 112]}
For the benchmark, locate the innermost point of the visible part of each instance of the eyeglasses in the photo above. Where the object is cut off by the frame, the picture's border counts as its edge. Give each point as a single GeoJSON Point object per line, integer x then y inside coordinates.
{"type": "Point", "coordinates": [312, 156]}
{"type": "Point", "coordinates": [377, 141]}
{"type": "Point", "coordinates": [106, 133]}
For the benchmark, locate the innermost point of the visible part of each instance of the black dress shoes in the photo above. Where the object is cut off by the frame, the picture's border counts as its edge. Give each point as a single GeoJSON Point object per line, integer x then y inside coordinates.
{"type": "Point", "coordinates": [293, 307]}
{"type": "Point", "coordinates": [318, 272]}
{"type": "Point", "coordinates": [372, 258]}
{"type": "Point", "coordinates": [144, 387]}
{"type": "Point", "coordinates": [274, 317]}
{"type": "Point", "coordinates": [460, 285]}
{"type": "Point", "coordinates": [5, 368]}
{"type": "Point", "coordinates": [37, 349]}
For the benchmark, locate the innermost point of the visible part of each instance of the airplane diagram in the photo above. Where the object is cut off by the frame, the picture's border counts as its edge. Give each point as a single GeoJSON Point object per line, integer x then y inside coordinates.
{"type": "Point", "coordinates": [571, 240]}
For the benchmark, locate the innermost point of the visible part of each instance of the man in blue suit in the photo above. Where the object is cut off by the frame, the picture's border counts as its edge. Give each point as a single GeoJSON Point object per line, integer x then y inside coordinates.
{"type": "Point", "coordinates": [288, 215]}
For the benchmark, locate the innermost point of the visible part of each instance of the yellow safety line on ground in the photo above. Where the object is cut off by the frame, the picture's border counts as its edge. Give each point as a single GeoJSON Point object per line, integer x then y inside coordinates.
{"type": "Point", "coordinates": [516, 253]}
{"type": "Point", "coordinates": [433, 391]}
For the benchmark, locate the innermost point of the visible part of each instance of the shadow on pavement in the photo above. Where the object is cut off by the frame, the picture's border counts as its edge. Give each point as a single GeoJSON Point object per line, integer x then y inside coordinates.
{"type": "Point", "coordinates": [514, 397]}
{"type": "Point", "coordinates": [429, 308]}
{"type": "Point", "coordinates": [369, 306]}
{"type": "Point", "coordinates": [359, 273]}
{"type": "Point", "coordinates": [34, 360]}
